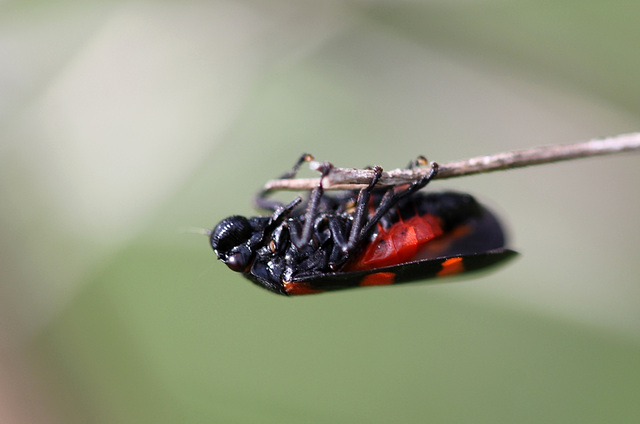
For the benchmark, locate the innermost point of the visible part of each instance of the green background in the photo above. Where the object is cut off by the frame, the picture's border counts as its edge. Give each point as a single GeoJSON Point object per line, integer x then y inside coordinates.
{"type": "Point", "coordinates": [123, 124]}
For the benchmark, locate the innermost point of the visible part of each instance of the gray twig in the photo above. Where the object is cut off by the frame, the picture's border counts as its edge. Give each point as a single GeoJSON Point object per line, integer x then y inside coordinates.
{"type": "Point", "coordinates": [350, 178]}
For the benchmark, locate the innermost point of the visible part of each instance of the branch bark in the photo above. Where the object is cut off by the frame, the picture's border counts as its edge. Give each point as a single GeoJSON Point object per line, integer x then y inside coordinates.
{"type": "Point", "coordinates": [352, 178]}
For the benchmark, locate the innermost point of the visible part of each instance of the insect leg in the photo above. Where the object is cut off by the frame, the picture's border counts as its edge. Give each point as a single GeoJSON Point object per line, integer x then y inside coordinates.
{"type": "Point", "coordinates": [417, 162]}
{"type": "Point", "coordinates": [344, 243]}
{"type": "Point", "coordinates": [312, 210]}
{"type": "Point", "coordinates": [361, 211]}
{"type": "Point", "coordinates": [390, 199]}
{"type": "Point", "coordinates": [306, 157]}
{"type": "Point", "coordinates": [261, 201]}
{"type": "Point", "coordinates": [283, 211]}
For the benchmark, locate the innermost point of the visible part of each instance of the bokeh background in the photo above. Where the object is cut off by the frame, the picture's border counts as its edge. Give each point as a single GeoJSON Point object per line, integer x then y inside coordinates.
{"type": "Point", "coordinates": [122, 123]}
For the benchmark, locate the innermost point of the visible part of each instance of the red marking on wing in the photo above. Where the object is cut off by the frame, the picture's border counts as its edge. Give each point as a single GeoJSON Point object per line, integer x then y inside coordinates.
{"type": "Point", "coordinates": [439, 246]}
{"type": "Point", "coordinates": [451, 266]}
{"type": "Point", "coordinates": [300, 288]}
{"type": "Point", "coordinates": [398, 244]}
{"type": "Point", "coordinates": [378, 279]}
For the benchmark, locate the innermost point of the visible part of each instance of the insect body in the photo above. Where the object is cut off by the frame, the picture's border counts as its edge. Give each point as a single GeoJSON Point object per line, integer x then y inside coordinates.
{"type": "Point", "coordinates": [355, 239]}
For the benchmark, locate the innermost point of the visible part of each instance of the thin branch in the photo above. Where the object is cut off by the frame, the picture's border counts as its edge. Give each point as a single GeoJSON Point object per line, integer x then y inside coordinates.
{"type": "Point", "coordinates": [350, 178]}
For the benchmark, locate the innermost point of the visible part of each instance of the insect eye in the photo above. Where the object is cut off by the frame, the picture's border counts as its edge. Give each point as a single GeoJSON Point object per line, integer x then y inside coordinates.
{"type": "Point", "coordinates": [236, 262]}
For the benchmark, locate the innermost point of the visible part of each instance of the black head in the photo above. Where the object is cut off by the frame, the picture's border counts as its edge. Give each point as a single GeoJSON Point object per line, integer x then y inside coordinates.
{"type": "Point", "coordinates": [230, 240]}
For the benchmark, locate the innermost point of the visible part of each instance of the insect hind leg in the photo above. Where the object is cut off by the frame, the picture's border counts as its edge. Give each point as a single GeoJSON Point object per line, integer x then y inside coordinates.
{"type": "Point", "coordinates": [392, 197]}
{"type": "Point", "coordinates": [345, 232]}
{"type": "Point", "coordinates": [361, 210]}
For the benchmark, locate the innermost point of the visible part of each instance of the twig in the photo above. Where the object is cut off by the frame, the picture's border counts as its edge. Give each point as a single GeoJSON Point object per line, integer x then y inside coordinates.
{"type": "Point", "coordinates": [350, 178]}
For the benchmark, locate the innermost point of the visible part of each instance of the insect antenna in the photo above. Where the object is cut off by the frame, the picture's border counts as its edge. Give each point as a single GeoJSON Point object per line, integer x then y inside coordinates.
{"type": "Point", "coordinates": [196, 230]}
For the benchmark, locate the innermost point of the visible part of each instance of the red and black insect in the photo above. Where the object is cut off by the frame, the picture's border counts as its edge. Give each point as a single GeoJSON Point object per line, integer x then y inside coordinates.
{"type": "Point", "coordinates": [372, 237]}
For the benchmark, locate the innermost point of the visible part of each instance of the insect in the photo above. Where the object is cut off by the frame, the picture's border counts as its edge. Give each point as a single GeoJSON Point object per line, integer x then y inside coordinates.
{"type": "Point", "coordinates": [374, 236]}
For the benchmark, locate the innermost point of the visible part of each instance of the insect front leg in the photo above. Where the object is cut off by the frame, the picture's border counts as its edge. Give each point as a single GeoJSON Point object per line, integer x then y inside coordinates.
{"type": "Point", "coordinates": [281, 212]}
{"type": "Point", "coordinates": [418, 162]}
{"type": "Point", "coordinates": [263, 202]}
{"type": "Point", "coordinates": [313, 209]}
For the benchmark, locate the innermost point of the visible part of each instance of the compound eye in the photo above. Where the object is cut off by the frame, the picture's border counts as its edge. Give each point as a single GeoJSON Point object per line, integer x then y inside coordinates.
{"type": "Point", "coordinates": [236, 262]}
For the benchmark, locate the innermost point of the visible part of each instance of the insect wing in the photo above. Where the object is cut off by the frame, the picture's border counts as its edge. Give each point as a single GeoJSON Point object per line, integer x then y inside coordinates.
{"type": "Point", "coordinates": [397, 274]}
